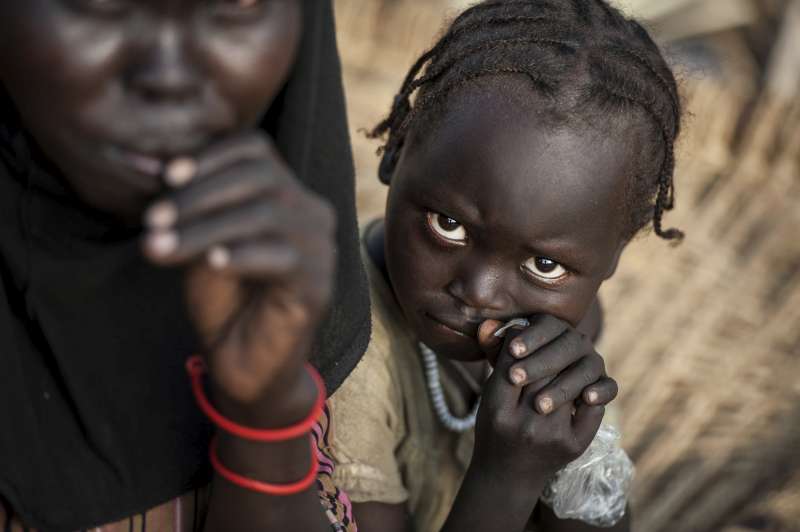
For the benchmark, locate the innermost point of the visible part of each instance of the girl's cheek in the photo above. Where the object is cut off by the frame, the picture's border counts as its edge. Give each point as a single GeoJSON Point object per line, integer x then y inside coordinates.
{"type": "Point", "coordinates": [569, 303]}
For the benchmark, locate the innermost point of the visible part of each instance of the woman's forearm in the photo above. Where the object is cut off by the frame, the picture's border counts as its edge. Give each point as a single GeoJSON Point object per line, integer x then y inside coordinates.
{"type": "Point", "coordinates": [233, 508]}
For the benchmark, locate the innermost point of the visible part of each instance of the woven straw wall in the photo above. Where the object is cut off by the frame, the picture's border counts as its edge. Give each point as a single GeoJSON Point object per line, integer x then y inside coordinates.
{"type": "Point", "coordinates": [703, 337]}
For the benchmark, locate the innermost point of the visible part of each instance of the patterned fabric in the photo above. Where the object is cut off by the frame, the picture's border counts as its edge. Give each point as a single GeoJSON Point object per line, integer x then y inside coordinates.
{"type": "Point", "coordinates": [186, 513]}
{"type": "Point", "coordinates": [335, 502]}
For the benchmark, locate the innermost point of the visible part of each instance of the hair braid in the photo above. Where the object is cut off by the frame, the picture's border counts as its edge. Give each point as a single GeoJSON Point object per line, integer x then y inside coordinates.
{"type": "Point", "coordinates": [570, 51]}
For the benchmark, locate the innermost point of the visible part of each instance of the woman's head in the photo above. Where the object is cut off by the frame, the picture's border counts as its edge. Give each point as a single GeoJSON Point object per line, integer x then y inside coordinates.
{"type": "Point", "coordinates": [540, 141]}
{"type": "Point", "coordinates": [111, 89]}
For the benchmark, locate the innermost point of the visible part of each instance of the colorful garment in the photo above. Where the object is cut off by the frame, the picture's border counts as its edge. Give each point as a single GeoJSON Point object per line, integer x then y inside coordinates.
{"type": "Point", "coordinates": [187, 513]}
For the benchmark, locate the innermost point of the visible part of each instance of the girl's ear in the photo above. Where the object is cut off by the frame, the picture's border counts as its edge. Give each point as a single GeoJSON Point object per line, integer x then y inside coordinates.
{"type": "Point", "coordinates": [614, 263]}
{"type": "Point", "coordinates": [388, 163]}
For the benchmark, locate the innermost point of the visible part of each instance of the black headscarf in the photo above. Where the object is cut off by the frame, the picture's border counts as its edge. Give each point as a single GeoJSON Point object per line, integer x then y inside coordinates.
{"type": "Point", "coordinates": [97, 421]}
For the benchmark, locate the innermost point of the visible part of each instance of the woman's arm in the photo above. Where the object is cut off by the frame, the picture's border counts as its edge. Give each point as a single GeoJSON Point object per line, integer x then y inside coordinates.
{"type": "Point", "coordinates": [259, 251]}
{"type": "Point", "coordinates": [233, 508]}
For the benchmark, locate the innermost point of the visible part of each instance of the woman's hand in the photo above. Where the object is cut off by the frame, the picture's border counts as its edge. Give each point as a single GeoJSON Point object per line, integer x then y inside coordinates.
{"type": "Point", "coordinates": [260, 248]}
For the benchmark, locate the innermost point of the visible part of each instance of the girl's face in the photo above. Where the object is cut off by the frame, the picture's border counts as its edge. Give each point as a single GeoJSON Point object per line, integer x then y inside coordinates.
{"type": "Point", "coordinates": [113, 88]}
{"type": "Point", "coordinates": [494, 216]}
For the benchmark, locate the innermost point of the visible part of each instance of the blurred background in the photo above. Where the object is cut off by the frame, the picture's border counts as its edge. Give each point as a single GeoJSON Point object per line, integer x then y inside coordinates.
{"type": "Point", "coordinates": [703, 337]}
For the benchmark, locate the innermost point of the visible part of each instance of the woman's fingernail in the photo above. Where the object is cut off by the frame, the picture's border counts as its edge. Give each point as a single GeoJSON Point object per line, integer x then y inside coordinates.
{"type": "Point", "coordinates": [163, 243]}
{"type": "Point", "coordinates": [162, 215]}
{"type": "Point", "coordinates": [545, 405]}
{"type": "Point", "coordinates": [517, 349]}
{"type": "Point", "coordinates": [219, 257]}
{"type": "Point", "coordinates": [592, 397]}
{"type": "Point", "coordinates": [518, 375]}
{"type": "Point", "coordinates": [180, 171]}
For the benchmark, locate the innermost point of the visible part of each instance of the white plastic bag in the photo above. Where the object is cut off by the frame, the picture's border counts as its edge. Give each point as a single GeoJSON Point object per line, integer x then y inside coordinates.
{"type": "Point", "coordinates": [594, 488]}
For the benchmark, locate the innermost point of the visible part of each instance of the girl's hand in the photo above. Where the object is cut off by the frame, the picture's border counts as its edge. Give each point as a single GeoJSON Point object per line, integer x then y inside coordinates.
{"type": "Point", "coordinates": [514, 442]}
{"type": "Point", "coordinates": [555, 360]}
{"type": "Point", "coordinates": [261, 253]}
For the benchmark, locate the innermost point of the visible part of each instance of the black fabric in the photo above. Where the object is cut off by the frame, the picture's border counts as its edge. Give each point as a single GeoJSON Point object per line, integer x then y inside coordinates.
{"type": "Point", "coordinates": [97, 421]}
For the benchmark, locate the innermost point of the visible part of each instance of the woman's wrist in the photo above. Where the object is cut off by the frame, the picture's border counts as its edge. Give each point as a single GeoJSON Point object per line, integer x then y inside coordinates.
{"type": "Point", "coordinates": [289, 399]}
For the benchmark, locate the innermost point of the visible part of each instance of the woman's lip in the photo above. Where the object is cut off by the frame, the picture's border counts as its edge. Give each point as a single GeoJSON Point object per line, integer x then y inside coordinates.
{"type": "Point", "coordinates": [140, 162]}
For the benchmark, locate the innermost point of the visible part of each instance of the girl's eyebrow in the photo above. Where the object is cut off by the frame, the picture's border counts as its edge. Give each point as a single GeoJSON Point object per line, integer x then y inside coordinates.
{"type": "Point", "coordinates": [467, 210]}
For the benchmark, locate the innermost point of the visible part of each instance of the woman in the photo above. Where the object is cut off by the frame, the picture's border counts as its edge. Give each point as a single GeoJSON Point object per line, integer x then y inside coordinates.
{"type": "Point", "coordinates": [124, 114]}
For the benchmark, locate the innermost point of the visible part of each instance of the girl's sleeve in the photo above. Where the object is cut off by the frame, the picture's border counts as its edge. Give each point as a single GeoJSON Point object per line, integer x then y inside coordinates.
{"type": "Point", "coordinates": [366, 428]}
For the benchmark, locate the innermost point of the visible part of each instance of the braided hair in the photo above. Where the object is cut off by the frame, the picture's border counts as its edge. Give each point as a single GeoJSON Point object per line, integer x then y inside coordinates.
{"type": "Point", "coordinates": [583, 56]}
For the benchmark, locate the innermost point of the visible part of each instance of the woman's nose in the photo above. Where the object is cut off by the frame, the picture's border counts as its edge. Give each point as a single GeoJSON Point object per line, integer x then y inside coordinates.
{"type": "Point", "coordinates": [167, 70]}
{"type": "Point", "coordinates": [481, 287]}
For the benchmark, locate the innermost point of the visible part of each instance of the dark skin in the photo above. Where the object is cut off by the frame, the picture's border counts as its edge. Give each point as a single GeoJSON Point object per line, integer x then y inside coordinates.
{"type": "Point", "coordinates": [152, 121]}
{"type": "Point", "coordinates": [495, 215]}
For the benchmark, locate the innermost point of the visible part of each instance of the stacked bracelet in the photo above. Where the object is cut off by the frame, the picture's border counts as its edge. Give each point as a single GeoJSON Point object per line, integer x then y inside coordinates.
{"type": "Point", "coordinates": [196, 367]}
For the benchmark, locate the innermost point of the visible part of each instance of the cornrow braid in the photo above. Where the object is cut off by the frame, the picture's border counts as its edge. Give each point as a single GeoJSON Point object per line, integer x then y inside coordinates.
{"type": "Point", "coordinates": [583, 55]}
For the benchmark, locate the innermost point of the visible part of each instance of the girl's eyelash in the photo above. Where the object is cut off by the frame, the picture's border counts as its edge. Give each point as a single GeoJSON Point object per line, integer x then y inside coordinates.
{"type": "Point", "coordinates": [446, 229]}
{"type": "Point", "coordinates": [549, 273]}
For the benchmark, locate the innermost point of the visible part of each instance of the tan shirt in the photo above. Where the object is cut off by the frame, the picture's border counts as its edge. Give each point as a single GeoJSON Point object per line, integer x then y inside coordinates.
{"type": "Point", "coordinates": [388, 445]}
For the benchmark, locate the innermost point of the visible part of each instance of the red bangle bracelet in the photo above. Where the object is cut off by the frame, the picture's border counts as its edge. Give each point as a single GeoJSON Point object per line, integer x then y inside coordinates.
{"type": "Point", "coordinates": [264, 487]}
{"type": "Point", "coordinates": [197, 367]}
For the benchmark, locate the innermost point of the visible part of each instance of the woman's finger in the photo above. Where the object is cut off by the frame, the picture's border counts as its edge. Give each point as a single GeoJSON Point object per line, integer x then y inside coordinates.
{"type": "Point", "coordinates": [256, 220]}
{"type": "Point", "coordinates": [550, 360]}
{"type": "Point", "coordinates": [543, 329]}
{"type": "Point", "coordinates": [250, 145]}
{"type": "Point", "coordinates": [236, 184]}
{"type": "Point", "coordinates": [264, 258]}
{"type": "Point", "coordinates": [570, 384]}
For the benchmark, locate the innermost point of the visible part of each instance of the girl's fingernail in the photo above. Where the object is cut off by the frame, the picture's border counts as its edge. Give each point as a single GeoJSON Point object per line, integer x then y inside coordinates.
{"type": "Point", "coordinates": [545, 405]}
{"type": "Point", "coordinates": [518, 375]}
{"type": "Point", "coordinates": [517, 349]}
{"type": "Point", "coordinates": [162, 215]}
{"type": "Point", "coordinates": [163, 243]}
{"type": "Point", "coordinates": [219, 257]}
{"type": "Point", "coordinates": [180, 171]}
{"type": "Point", "coordinates": [592, 397]}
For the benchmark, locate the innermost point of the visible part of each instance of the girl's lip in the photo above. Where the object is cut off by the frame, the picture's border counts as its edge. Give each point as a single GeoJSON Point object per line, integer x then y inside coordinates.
{"type": "Point", "coordinates": [464, 328]}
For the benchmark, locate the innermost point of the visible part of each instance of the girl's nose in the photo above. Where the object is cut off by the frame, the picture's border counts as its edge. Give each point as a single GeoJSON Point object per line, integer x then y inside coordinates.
{"type": "Point", "coordinates": [481, 287]}
{"type": "Point", "coordinates": [167, 70]}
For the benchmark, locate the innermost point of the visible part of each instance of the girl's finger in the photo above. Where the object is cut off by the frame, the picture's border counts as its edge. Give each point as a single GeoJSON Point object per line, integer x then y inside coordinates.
{"type": "Point", "coordinates": [250, 145]}
{"type": "Point", "coordinates": [236, 184]}
{"type": "Point", "coordinates": [488, 342]}
{"type": "Point", "coordinates": [601, 393]}
{"type": "Point", "coordinates": [586, 422]}
{"type": "Point", "coordinates": [550, 360]}
{"type": "Point", "coordinates": [570, 384]}
{"type": "Point", "coordinates": [544, 329]}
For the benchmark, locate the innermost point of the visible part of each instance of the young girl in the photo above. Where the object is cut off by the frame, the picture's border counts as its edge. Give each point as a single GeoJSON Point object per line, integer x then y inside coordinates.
{"type": "Point", "coordinates": [524, 151]}
{"type": "Point", "coordinates": [130, 121]}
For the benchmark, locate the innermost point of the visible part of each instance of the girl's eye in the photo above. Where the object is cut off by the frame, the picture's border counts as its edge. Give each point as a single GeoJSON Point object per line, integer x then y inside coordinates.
{"type": "Point", "coordinates": [447, 228]}
{"type": "Point", "coordinates": [546, 269]}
